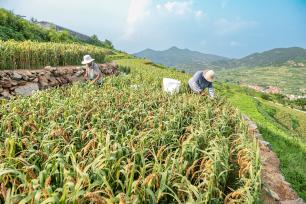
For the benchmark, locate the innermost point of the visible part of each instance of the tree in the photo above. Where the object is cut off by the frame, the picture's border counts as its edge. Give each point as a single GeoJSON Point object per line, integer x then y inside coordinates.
{"type": "Point", "coordinates": [301, 102]}
{"type": "Point", "coordinates": [33, 20]}
{"type": "Point", "coordinates": [266, 97]}
{"type": "Point", "coordinates": [108, 44]}
{"type": "Point", "coordinates": [64, 36]}
{"type": "Point", "coordinates": [95, 40]}
{"type": "Point", "coordinates": [53, 36]}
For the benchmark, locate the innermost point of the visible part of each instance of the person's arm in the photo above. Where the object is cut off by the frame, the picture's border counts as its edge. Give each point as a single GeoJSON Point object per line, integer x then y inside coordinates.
{"type": "Point", "coordinates": [194, 88]}
{"type": "Point", "coordinates": [97, 78]}
{"type": "Point", "coordinates": [193, 82]}
{"type": "Point", "coordinates": [98, 72]}
{"type": "Point", "coordinates": [86, 74]}
{"type": "Point", "coordinates": [211, 91]}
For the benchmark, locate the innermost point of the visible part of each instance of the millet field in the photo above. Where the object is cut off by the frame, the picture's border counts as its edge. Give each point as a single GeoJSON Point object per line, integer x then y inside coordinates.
{"type": "Point", "coordinates": [126, 142]}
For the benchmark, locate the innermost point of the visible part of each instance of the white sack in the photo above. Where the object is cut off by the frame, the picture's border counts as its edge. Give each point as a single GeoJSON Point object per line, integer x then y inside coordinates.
{"type": "Point", "coordinates": [171, 85]}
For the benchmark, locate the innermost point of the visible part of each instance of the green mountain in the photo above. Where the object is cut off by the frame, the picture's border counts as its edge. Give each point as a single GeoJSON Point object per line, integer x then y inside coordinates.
{"type": "Point", "coordinates": [275, 57]}
{"type": "Point", "coordinates": [183, 59]}
{"type": "Point", "coordinates": [191, 61]}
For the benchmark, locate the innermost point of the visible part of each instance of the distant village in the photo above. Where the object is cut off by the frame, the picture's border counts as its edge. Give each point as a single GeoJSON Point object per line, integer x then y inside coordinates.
{"type": "Point", "coordinates": [275, 90]}
{"type": "Point", "coordinates": [295, 64]}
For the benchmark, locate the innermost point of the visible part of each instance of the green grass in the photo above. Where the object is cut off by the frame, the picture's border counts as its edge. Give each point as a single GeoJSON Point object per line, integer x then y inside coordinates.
{"type": "Point", "coordinates": [291, 119]}
{"type": "Point", "coordinates": [289, 79]}
{"type": "Point", "coordinates": [290, 149]}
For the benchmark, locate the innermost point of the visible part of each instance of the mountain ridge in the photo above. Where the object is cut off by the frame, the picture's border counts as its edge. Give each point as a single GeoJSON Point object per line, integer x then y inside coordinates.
{"type": "Point", "coordinates": [190, 61]}
{"type": "Point", "coordinates": [180, 58]}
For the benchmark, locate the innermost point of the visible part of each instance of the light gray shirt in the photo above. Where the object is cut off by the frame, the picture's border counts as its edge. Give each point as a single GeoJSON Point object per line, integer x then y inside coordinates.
{"type": "Point", "coordinates": [93, 71]}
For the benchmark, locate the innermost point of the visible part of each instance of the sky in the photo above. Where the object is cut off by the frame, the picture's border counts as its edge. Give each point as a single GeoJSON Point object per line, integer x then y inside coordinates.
{"type": "Point", "coordinates": [231, 28]}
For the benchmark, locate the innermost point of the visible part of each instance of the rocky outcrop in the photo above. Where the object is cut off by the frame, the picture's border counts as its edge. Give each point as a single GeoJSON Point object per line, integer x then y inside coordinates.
{"type": "Point", "coordinates": [275, 189]}
{"type": "Point", "coordinates": [24, 82]}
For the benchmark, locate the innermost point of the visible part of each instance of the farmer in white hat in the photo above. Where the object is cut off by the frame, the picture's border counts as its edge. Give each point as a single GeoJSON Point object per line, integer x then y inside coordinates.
{"type": "Point", "coordinates": [93, 72]}
{"type": "Point", "coordinates": [201, 80]}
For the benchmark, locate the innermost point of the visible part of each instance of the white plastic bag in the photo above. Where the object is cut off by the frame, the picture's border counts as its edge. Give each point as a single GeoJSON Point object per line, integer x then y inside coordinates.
{"type": "Point", "coordinates": [171, 85]}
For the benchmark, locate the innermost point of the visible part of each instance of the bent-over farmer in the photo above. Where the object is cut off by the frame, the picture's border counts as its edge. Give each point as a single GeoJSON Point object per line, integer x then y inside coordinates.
{"type": "Point", "coordinates": [93, 72]}
{"type": "Point", "coordinates": [201, 80]}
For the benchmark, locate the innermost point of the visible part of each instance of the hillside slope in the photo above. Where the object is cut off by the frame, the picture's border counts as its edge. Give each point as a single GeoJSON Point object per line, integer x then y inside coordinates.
{"type": "Point", "coordinates": [34, 55]}
{"type": "Point", "coordinates": [289, 80]}
{"type": "Point", "coordinates": [281, 127]}
{"type": "Point", "coordinates": [17, 28]}
{"type": "Point", "coordinates": [126, 141]}
{"type": "Point", "coordinates": [176, 110]}
{"type": "Point", "coordinates": [49, 25]}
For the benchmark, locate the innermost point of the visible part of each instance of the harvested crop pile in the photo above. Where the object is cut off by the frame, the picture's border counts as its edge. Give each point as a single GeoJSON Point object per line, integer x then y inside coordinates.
{"type": "Point", "coordinates": [126, 142]}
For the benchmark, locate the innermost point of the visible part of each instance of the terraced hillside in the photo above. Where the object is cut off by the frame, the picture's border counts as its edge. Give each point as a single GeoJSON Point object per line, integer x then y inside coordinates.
{"type": "Point", "coordinates": [33, 55]}
{"type": "Point", "coordinates": [126, 141]}
{"type": "Point", "coordinates": [290, 80]}
{"type": "Point", "coordinates": [281, 126]}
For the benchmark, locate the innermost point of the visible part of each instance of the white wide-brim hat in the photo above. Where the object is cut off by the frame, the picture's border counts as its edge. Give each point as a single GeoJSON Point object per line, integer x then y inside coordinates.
{"type": "Point", "coordinates": [87, 59]}
{"type": "Point", "coordinates": [209, 75]}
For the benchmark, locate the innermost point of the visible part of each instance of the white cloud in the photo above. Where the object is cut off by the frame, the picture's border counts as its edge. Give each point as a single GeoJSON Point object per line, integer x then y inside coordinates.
{"type": "Point", "coordinates": [180, 8]}
{"type": "Point", "coordinates": [138, 11]}
{"type": "Point", "coordinates": [224, 26]}
{"type": "Point", "coordinates": [199, 13]}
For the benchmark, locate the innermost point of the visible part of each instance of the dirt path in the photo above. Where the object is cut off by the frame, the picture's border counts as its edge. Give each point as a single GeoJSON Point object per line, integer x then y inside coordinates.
{"type": "Point", "coordinates": [275, 189]}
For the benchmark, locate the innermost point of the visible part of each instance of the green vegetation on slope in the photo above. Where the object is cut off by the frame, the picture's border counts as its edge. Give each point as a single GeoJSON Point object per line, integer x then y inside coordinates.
{"type": "Point", "coordinates": [13, 27]}
{"type": "Point", "coordinates": [290, 148]}
{"type": "Point", "coordinates": [31, 55]}
{"type": "Point", "coordinates": [291, 80]}
{"type": "Point", "coordinates": [17, 28]}
{"type": "Point", "coordinates": [126, 142]}
{"type": "Point", "coordinates": [299, 104]}
{"type": "Point", "coordinates": [291, 119]}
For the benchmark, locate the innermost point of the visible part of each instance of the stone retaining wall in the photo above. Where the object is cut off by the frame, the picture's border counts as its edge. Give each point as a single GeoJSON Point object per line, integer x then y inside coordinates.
{"type": "Point", "coordinates": [24, 82]}
{"type": "Point", "coordinates": [275, 189]}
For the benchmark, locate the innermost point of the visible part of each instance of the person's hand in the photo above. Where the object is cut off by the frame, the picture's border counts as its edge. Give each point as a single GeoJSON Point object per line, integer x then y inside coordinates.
{"type": "Point", "coordinates": [203, 93]}
{"type": "Point", "coordinates": [85, 75]}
